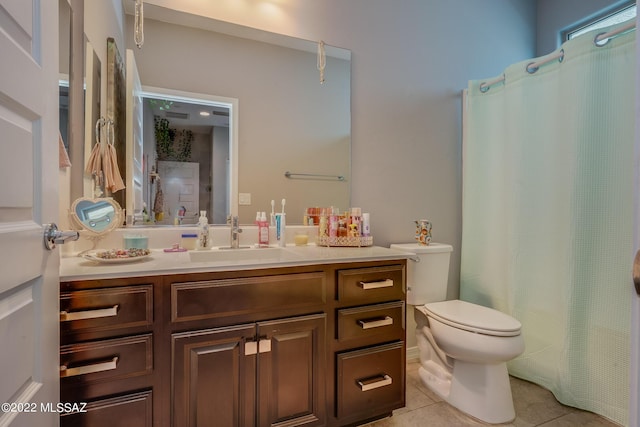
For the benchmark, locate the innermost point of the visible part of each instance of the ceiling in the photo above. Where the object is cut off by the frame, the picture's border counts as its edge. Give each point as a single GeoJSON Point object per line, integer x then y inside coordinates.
{"type": "Point", "coordinates": [186, 114]}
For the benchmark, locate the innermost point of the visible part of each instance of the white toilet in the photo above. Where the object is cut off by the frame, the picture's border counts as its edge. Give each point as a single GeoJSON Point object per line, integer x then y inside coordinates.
{"type": "Point", "coordinates": [463, 347]}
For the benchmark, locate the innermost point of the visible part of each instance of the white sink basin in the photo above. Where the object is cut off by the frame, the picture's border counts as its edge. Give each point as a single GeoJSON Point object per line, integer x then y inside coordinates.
{"type": "Point", "coordinates": [247, 255]}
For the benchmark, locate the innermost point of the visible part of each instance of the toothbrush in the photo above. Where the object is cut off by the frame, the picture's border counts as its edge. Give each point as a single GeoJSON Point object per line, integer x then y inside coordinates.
{"type": "Point", "coordinates": [273, 215]}
{"type": "Point", "coordinates": [284, 201]}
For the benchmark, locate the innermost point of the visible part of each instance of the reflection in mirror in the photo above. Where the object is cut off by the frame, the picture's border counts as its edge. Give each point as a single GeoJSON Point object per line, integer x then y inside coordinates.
{"type": "Point", "coordinates": [64, 34]}
{"type": "Point", "coordinates": [91, 106]}
{"type": "Point", "coordinates": [97, 216]}
{"type": "Point", "coordinates": [290, 122]}
{"type": "Point", "coordinates": [190, 160]}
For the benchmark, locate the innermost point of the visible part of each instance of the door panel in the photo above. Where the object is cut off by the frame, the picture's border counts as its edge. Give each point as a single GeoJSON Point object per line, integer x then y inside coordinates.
{"type": "Point", "coordinates": [213, 379]}
{"type": "Point", "coordinates": [291, 369]}
{"type": "Point", "coordinates": [28, 198]}
{"type": "Point", "coordinates": [180, 184]}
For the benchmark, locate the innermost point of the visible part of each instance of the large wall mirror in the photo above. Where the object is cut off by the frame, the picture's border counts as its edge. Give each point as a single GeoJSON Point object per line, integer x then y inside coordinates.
{"type": "Point", "coordinates": [285, 119]}
{"type": "Point", "coordinates": [292, 139]}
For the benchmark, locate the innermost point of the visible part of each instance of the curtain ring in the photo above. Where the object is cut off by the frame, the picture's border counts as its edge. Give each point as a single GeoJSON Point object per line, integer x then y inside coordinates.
{"type": "Point", "coordinates": [600, 43]}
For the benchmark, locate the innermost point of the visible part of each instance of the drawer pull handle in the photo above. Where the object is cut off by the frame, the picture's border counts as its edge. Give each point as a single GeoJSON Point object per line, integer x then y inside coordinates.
{"type": "Point", "coordinates": [89, 314]}
{"type": "Point", "coordinates": [368, 324]}
{"type": "Point", "coordinates": [368, 384]}
{"type": "Point", "coordinates": [89, 369]}
{"type": "Point", "coordinates": [387, 283]}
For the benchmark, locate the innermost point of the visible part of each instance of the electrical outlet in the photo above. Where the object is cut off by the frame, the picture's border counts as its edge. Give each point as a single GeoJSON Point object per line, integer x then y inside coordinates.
{"type": "Point", "coordinates": [244, 199]}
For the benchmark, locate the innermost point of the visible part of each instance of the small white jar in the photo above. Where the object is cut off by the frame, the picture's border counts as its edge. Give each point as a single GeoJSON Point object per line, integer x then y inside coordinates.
{"type": "Point", "coordinates": [189, 241]}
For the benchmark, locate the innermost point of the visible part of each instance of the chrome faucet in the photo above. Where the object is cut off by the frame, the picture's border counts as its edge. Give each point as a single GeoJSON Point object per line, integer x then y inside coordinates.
{"type": "Point", "coordinates": [233, 221]}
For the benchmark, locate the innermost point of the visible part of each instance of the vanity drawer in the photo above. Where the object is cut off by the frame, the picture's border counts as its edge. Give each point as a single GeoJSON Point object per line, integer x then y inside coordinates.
{"type": "Point", "coordinates": [134, 409]}
{"type": "Point", "coordinates": [212, 299]}
{"type": "Point", "coordinates": [106, 359]}
{"type": "Point", "coordinates": [382, 321]}
{"type": "Point", "coordinates": [106, 309]}
{"type": "Point", "coordinates": [371, 284]}
{"type": "Point", "coordinates": [370, 381]}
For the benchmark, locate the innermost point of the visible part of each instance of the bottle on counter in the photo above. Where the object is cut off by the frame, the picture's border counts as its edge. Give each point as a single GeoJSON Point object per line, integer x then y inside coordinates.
{"type": "Point", "coordinates": [263, 230]}
{"type": "Point", "coordinates": [204, 242]}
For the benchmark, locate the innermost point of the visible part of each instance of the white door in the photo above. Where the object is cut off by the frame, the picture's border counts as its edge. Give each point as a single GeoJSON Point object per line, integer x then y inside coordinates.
{"type": "Point", "coordinates": [180, 186]}
{"type": "Point", "coordinates": [29, 371]}
{"type": "Point", "coordinates": [134, 154]}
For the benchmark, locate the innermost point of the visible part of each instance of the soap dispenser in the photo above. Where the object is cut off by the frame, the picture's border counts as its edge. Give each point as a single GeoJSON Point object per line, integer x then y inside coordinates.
{"type": "Point", "coordinates": [203, 232]}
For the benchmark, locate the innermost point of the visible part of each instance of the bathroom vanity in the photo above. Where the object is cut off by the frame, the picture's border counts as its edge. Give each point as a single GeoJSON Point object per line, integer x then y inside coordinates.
{"type": "Point", "coordinates": [296, 336]}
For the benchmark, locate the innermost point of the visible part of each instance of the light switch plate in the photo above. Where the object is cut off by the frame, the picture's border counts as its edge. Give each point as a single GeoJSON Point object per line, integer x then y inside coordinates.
{"type": "Point", "coordinates": [244, 199]}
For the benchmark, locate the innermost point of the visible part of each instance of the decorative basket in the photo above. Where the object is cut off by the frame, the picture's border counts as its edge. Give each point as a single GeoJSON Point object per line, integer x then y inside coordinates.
{"type": "Point", "coordinates": [345, 241]}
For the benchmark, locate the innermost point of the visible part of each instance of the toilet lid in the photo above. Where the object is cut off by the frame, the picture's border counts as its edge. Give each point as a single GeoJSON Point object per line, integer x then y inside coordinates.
{"type": "Point", "coordinates": [474, 318]}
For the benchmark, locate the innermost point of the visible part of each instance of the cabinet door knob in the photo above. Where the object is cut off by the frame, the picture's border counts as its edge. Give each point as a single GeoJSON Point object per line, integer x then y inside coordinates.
{"type": "Point", "coordinates": [264, 346]}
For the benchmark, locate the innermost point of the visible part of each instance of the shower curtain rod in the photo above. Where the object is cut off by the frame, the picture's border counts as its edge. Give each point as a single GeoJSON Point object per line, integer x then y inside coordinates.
{"type": "Point", "coordinates": [603, 38]}
{"type": "Point", "coordinates": [600, 40]}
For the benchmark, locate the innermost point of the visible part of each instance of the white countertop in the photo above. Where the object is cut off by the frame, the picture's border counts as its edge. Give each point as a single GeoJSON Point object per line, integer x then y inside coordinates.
{"type": "Point", "coordinates": [160, 262]}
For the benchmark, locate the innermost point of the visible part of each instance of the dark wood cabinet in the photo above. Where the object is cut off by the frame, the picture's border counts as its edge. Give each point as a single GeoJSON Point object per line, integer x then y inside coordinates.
{"type": "Point", "coordinates": [108, 344]}
{"type": "Point", "coordinates": [259, 374]}
{"type": "Point", "coordinates": [369, 347]}
{"type": "Point", "coordinates": [370, 381]}
{"type": "Point", "coordinates": [314, 345]}
{"type": "Point", "coordinates": [291, 371]}
{"type": "Point", "coordinates": [213, 377]}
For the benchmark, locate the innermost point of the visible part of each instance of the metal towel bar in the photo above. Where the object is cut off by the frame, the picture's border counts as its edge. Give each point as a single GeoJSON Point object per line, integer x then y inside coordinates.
{"type": "Point", "coordinates": [292, 175]}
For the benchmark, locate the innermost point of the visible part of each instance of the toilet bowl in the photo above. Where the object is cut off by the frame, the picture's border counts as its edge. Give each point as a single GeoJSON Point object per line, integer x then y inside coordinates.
{"type": "Point", "coordinates": [475, 378]}
{"type": "Point", "coordinates": [463, 347]}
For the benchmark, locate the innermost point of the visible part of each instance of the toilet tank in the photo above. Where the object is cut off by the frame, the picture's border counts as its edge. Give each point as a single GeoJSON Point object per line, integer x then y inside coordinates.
{"type": "Point", "coordinates": [426, 278]}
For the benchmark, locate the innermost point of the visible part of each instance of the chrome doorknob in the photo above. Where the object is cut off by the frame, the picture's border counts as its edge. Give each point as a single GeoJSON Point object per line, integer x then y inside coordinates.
{"type": "Point", "coordinates": [53, 236]}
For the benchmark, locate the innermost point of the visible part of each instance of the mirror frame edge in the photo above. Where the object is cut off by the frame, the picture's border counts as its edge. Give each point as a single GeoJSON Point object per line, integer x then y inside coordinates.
{"type": "Point", "coordinates": [76, 102]}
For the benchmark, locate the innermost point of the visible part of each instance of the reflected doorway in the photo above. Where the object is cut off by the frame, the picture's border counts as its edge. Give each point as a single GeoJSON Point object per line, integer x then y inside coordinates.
{"type": "Point", "coordinates": [189, 152]}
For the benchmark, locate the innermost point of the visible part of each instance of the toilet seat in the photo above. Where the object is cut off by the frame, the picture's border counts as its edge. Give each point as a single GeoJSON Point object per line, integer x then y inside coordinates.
{"type": "Point", "coordinates": [474, 318]}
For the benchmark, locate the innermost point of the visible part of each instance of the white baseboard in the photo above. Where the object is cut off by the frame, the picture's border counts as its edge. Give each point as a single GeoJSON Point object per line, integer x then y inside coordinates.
{"type": "Point", "coordinates": [412, 354]}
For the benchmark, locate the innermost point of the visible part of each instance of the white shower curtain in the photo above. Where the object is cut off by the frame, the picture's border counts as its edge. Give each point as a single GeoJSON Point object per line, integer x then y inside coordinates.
{"type": "Point", "coordinates": [548, 216]}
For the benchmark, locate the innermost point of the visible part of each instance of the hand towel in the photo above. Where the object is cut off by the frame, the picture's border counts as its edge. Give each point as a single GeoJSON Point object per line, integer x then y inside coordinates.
{"type": "Point", "coordinates": [63, 157]}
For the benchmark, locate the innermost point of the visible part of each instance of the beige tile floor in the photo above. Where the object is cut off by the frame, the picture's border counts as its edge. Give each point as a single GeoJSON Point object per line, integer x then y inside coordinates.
{"type": "Point", "coordinates": [535, 406]}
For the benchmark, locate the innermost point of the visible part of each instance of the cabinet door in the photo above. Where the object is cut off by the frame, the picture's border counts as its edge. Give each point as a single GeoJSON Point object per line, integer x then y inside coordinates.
{"type": "Point", "coordinates": [214, 377]}
{"type": "Point", "coordinates": [291, 372]}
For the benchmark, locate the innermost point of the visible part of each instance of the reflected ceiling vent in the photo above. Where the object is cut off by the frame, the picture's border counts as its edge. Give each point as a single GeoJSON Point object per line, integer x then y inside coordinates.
{"type": "Point", "coordinates": [220, 113]}
{"type": "Point", "coordinates": [174, 115]}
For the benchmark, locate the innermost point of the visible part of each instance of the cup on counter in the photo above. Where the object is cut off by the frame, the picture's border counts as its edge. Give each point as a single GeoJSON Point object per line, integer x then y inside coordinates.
{"type": "Point", "coordinates": [135, 241]}
{"type": "Point", "coordinates": [301, 239]}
